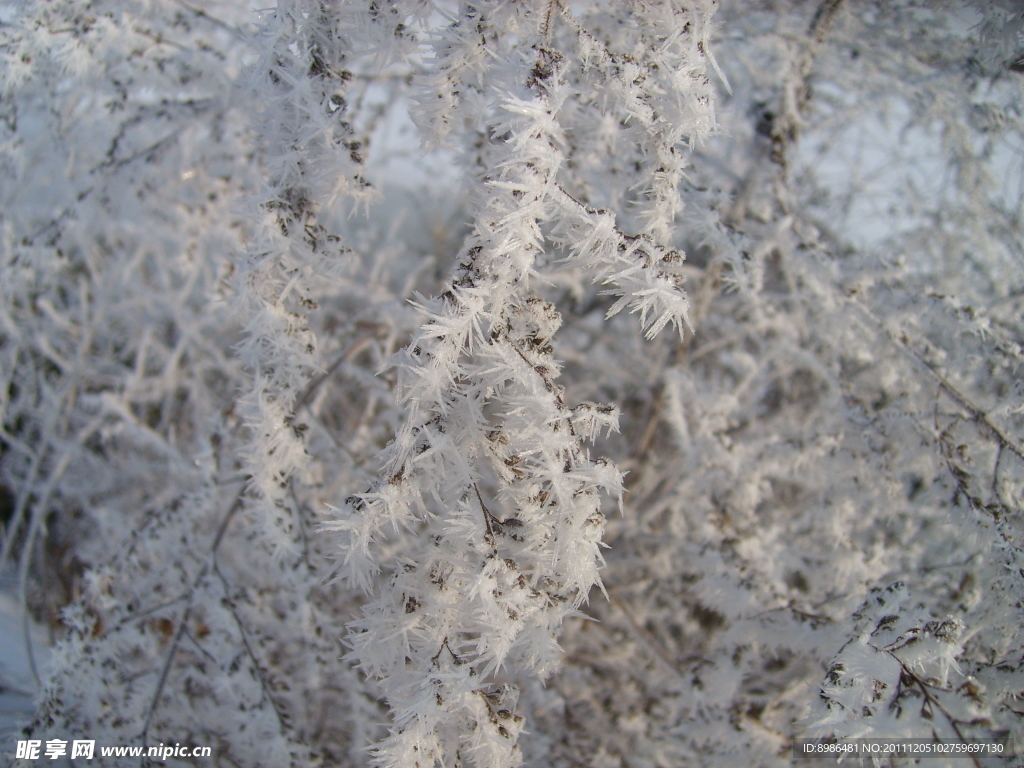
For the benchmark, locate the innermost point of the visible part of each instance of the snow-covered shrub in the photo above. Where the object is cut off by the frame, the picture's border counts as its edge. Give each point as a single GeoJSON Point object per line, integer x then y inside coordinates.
{"type": "Point", "coordinates": [320, 452]}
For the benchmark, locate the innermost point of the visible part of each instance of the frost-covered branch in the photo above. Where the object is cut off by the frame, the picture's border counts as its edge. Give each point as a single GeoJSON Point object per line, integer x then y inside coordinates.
{"type": "Point", "coordinates": [489, 469]}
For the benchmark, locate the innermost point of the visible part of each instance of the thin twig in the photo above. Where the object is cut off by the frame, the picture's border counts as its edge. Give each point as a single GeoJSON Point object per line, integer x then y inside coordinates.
{"type": "Point", "coordinates": [647, 640]}
{"type": "Point", "coordinates": [933, 702]}
{"type": "Point", "coordinates": [299, 521]}
{"type": "Point", "coordinates": [214, 20]}
{"type": "Point", "coordinates": [315, 384]}
{"type": "Point", "coordinates": [795, 92]}
{"type": "Point", "coordinates": [260, 672]}
{"type": "Point", "coordinates": [901, 340]}
{"type": "Point", "coordinates": [173, 649]}
{"type": "Point", "coordinates": [489, 537]}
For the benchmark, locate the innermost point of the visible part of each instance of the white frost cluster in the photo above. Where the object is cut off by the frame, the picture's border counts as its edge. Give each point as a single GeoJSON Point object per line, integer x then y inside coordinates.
{"type": "Point", "coordinates": [489, 470]}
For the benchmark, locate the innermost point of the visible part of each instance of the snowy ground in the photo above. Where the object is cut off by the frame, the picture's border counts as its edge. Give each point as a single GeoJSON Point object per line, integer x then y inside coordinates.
{"type": "Point", "coordinates": [17, 685]}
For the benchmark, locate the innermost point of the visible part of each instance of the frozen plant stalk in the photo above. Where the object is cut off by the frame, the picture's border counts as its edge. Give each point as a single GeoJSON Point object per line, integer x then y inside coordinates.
{"type": "Point", "coordinates": [490, 470]}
